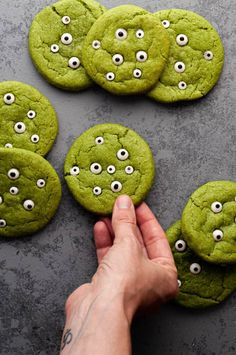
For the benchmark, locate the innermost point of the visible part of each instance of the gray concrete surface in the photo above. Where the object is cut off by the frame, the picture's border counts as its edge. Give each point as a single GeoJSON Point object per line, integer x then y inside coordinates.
{"type": "Point", "coordinates": [193, 143]}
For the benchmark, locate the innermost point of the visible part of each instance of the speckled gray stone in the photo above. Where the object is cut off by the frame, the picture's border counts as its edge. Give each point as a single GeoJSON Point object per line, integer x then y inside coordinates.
{"type": "Point", "coordinates": [192, 144]}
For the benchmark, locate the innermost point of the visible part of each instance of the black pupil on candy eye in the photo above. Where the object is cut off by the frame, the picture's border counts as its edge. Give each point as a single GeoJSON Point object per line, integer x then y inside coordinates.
{"type": "Point", "coordinates": [181, 38]}
{"type": "Point", "coordinates": [183, 84]}
{"type": "Point", "coordinates": [99, 141]}
{"type": "Point", "coordinates": [196, 269]}
{"type": "Point", "coordinates": [30, 206]}
{"type": "Point", "coordinates": [217, 206]}
{"type": "Point", "coordinates": [96, 167]}
{"type": "Point", "coordinates": [141, 56]}
{"type": "Point", "coordinates": [120, 34]}
{"type": "Point", "coordinates": [122, 153]}
{"type": "Point", "coordinates": [116, 186]}
{"type": "Point", "coordinates": [117, 60]}
{"type": "Point", "coordinates": [180, 245]}
{"type": "Point", "coordinates": [180, 66]}
{"type": "Point", "coordinates": [19, 126]}
{"type": "Point", "coordinates": [8, 97]}
{"type": "Point", "coordinates": [66, 38]}
{"type": "Point", "coordinates": [74, 63]}
{"type": "Point", "coordinates": [218, 236]}
{"type": "Point", "coordinates": [13, 175]}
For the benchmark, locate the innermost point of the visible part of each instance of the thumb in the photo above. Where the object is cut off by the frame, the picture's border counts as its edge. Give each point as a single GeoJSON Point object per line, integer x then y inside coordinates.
{"type": "Point", "coordinates": [124, 218]}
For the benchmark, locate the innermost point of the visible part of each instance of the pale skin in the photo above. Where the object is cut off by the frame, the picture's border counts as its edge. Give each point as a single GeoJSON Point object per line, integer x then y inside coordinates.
{"type": "Point", "coordinates": [136, 272]}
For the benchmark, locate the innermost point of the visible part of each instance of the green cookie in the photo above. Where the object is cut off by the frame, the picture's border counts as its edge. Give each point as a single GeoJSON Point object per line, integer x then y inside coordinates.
{"type": "Point", "coordinates": [30, 192]}
{"type": "Point", "coordinates": [195, 60]}
{"type": "Point", "coordinates": [106, 161]}
{"type": "Point", "coordinates": [209, 222]}
{"type": "Point", "coordinates": [126, 50]}
{"type": "Point", "coordinates": [27, 119]}
{"type": "Point", "coordinates": [55, 41]}
{"type": "Point", "coordinates": [200, 284]}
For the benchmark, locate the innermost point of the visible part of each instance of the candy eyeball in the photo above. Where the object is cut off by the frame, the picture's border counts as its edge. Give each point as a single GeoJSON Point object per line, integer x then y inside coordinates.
{"type": "Point", "coordinates": [66, 38]}
{"type": "Point", "coordinates": [218, 235]}
{"type": "Point", "coordinates": [3, 223]}
{"type": "Point", "coordinates": [166, 23]}
{"type": "Point", "coordinates": [111, 169]}
{"type": "Point", "coordinates": [117, 59]}
{"type": "Point", "coordinates": [31, 114]}
{"type": "Point", "coordinates": [14, 190]}
{"type": "Point", "coordinates": [182, 85]}
{"type": "Point", "coordinates": [110, 76]}
{"type": "Point", "coordinates": [97, 190]}
{"type": "Point", "coordinates": [54, 48]}
{"type": "Point", "coordinates": [179, 67]}
{"type": "Point", "coordinates": [1, 200]}
{"type": "Point", "coordinates": [137, 73]}
{"type": "Point", "coordinates": [35, 138]}
{"type": "Point", "coordinates": [116, 186]}
{"type": "Point", "coordinates": [8, 145]}
{"type": "Point", "coordinates": [13, 174]}
{"type": "Point", "coordinates": [180, 245]}
{"type": "Point", "coordinates": [141, 56]}
{"type": "Point", "coordinates": [96, 44]}
{"type": "Point", "coordinates": [9, 99]}
{"type": "Point", "coordinates": [74, 63]}
{"type": "Point", "coordinates": [179, 283]}
{"type": "Point", "coordinates": [129, 170]}
{"type": "Point", "coordinates": [216, 207]}
{"type": "Point", "coordinates": [99, 140]}
{"type": "Point", "coordinates": [65, 20]}
{"type": "Point", "coordinates": [208, 55]}
{"type": "Point", "coordinates": [28, 205]}
{"type": "Point", "coordinates": [121, 34]}
{"type": "Point", "coordinates": [41, 183]}
{"type": "Point", "coordinates": [140, 34]}
{"type": "Point", "coordinates": [122, 154]}
{"type": "Point", "coordinates": [182, 40]}
{"type": "Point", "coordinates": [195, 268]}
{"type": "Point", "coordinates": [74, 171]}
{"type": "Point", "coordinates": [95, 168]}
{"type": "Point", "coordinates": [19, 127]}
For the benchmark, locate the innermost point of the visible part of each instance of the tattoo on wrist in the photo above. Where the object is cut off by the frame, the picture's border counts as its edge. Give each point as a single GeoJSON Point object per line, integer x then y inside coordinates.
{"type": "Point", "coordinates": [67, 338]}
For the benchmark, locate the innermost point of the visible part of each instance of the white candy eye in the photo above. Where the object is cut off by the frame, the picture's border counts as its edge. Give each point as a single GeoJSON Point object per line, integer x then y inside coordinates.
{"type": "Point", "coordinates": [137, 73]}
{"type": "Point", "coordinates": [116, 186]}
{"type": "Point", "coordinates": [28, 205]}
{"type": "Point", "coordinates": [110, 76]}
{"type": "Point", "coordinates": [117, 59]}
{"type": "Point", "coordinates": [8, 145]}
{"type": "Point", "coordinates": [97, 190]}
{"type": "Point", "coordinates": [182, 40]}
{"type": "Point", "coordinates": [14, 190]}
{"type": "Point", "coordinates": [34, 138]}
{"type": "Point", "coordinates": [182, 85]}
{"type": "Point", "coordinates": [122, 154]}
{"type": "Point", "coordinates": [13, 174]}
{"type": "Point", "coordinates": [96, 44]}
{"type": "Point", "coordinates": [129, 170]}
{"type": "Point", "coordinates": [195, 268]}
{"type": "Point", "coordinates": [180, 245]}
{"type": "Point", "coordinates": [19, 127]}
{"type": "Point", "coordinates": [99, 140]}
{"type": "Point", "coordinates": [65, 20]}
{"type": "Point", "coordinates": [66, 38]}
{"type": "Point", "coordinates": [41, 183]}
{"type": "Point", "coordinates": [166, 23]}
{"type": "Point", "coordinates": [179, 283]}
{"type": "Point", "coordinates": [9, 98]}
{"type": "Point", "coordinates": [3, 223]}
{"type": "Point", "coordinates": [95, 168]}
{"type": "Point", "coordinates": [31, 114]}
{"type": "Point", "coordinates": [74, 62]}
{"type": "Point", "coordinates": [1, 200]}
{"type": "Point", "coordinates": [208, 55]}
{"type": "Point", "coordinates": [179, 67]}
{"type": "Point", "coordinates": [217, 235]}
{"type": "Point", "coordinates": [141, 56]}
{"type": "Point", "coordinates": [216, 207]}
{"type": "Point", "coordinates": [54, 48]}
{"type": "Point", "coordinates": [121, 34]}
{"type": "Point", "coordinates": [111, 169]}
{"type": "Point", "coordinates": [140, 34]}
{"type": "Point", "coordinates": [74, 171]}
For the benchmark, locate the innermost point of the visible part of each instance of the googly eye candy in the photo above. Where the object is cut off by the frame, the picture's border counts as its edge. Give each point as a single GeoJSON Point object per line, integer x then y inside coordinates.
{"type": "Point", "coordinates": [35, 138]}
{"type": "Point", "coordinates": [19, 127]}
{"type": "Point", "coordinates": [99, 140]}
{"type": "Point", "coordinates": [195, 268]}
{"type": "Point", "coordinates": [179, 67]}
{"type": "Point", "coordinates": [41, 183]}
{"type": "Point", "coordinates": [65, 20]}
{"type": "Point", "coordinates": [182, 40]}
{"type": "Point", "coordinates": [8, 145]}
{"type": "Point", "coordinates": [66, 38]}
{"type": "Point", "coordinates": [180, 245]}
{"type": "Point", "coordinates": [28, 205]}
{"type": "Point", "coordinates": [117, 59]}
{"type": "Point", "coordinates": [208, 55]}
{"type": "Point", "coordinates": [182, 85]}
{"type": "Point", "coordinates": [14, 190]}
{"type": "Point", "coordinates": [166, 23]}
{"type": "Point", "coordinates": [96, 44]}
{"type": "Point", "coordinates": [95, 168]}
{"type": "Point", "coordinates": [3, 223]}
{"type": "Point", "coordinates": [116, 186]}
{"type": "Point", "coordinates": [1, 200]}
{"type": "Point", "coordinates": [74, 171]}
{"type": "Point", "coordinates": [140, 34]}
{"type": "Point", "coordinates": [141, 56]}
{"type": "Point", "coordinates": [13, 174]}
{"type": "Point", "coordinates": [121, 34]}
{"type": "Point", "coordinates": [122, 154]}
{"type": "Point", "coordinates": [97, 190]}
{"type": "Point", "coordinates": [137, 73]}
{"type": "Point", "coordinates": [218, 235]}
{"type": "Point", "coordinates": [9, 99]}
{"type": "Point", "coordinates": [216, 207]}
{"type": "Point", "coordinates": [129, 170]}
{"type": "Point", "coordinates": [31, 114]}
{"type": "Point", "coordinates": [111, 169]}
{"type": "Point", "coordinates": [54, 48]}
{"type": "Point", "coordinates": [110, 76]}
{"type": "Point", "coordinates": [74, 62]}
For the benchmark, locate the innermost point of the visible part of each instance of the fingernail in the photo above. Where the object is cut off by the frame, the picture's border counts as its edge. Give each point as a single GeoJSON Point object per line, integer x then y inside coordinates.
{"type": "Point", "coordinates": [123, 202]}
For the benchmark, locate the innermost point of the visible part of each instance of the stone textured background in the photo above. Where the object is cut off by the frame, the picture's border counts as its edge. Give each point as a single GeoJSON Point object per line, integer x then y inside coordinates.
{"type": "Point", "coordinates": [193, 143]}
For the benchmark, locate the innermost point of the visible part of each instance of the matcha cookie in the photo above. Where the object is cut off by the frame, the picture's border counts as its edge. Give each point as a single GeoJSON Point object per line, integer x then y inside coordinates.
{"type": "Point", "coordinates": [56, 37]}
{"type": "Point", "coordinates": [106, 161]}
{"type": "Point", "coordinates": [195, 60]}
{"type": "Point", "coordinates": [209, 222]}
{"type": "Point", "coordinates": [27, 119]}
{"type": "Point", "coordinates": [200, 284]}
{"type": "Point", "coordinates": [126, 50]}
{"type": "Point", "coordinates": [30, 192]}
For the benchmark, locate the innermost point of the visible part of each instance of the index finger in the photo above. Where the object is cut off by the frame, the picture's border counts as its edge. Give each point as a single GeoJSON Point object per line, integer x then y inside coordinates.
{"type": "Point", "coordinates": [154, 237]}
